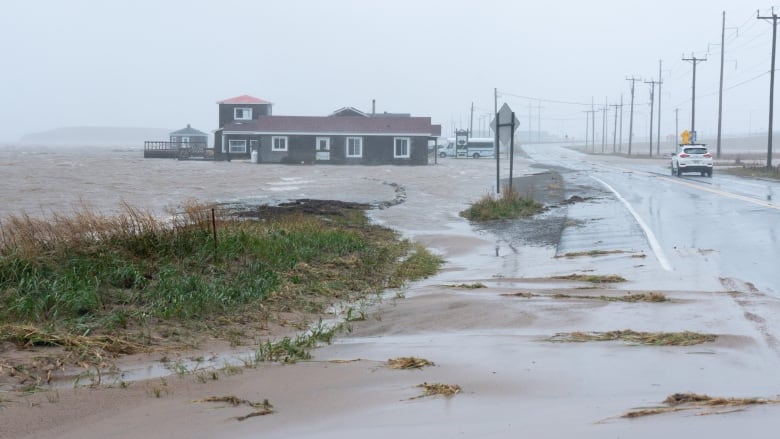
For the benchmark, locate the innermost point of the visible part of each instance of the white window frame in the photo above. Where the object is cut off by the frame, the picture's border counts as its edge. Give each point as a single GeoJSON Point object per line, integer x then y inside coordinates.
{"type": "Point", "coordinates": [237, 146]}
{"type": "Point", "coordinates": [274, 146]}
{"type": "Point", "coordinates": [254, 145]}
{"type": "Point", "coordinates": [358, 145]}
{"type": "Point", "coordinates": [246, 113]}
{"type": "Point", "coordinates": [405, 155]}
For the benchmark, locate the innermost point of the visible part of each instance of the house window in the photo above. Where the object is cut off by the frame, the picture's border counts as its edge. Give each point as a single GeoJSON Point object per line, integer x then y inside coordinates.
{"type": "Point", "coordinates": [401, 147]}
{"type": "Point", "coordinates": [242, 114]}
{"type": "Point", "coordinates": [237, 146]}
{"type": "Point", "coordinates": [354, 147]}
{"type": "Point", "coordinates": [254, 145]}
{"type": "Point", "coordinates": [279, 143]}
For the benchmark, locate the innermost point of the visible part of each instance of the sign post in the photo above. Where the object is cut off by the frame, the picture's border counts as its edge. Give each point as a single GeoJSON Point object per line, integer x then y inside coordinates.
{"type": "Point", "coordinates": [504, 125]}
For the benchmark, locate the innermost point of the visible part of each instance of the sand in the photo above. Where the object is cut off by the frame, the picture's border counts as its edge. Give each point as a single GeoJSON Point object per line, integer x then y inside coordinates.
{"type": "Point", "coordinates": [489, 341]}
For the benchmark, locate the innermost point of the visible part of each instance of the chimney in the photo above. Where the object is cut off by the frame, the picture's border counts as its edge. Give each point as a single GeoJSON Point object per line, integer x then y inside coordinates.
{"type": "Point", "coordinates": [373, 106]}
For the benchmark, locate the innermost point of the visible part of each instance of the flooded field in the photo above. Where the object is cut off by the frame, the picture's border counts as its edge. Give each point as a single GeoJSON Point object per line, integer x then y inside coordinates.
{"type": "Point", "coordinates": [521, 329]}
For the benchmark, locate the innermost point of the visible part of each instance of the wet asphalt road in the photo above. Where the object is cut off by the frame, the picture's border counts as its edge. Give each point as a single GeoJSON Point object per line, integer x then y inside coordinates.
{"type": "Point", "coordinates": [704, 233]}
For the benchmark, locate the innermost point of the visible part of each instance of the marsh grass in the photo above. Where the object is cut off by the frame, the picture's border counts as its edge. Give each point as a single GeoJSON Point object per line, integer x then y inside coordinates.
{"type": "Point", "coordinates": [508, 205]}
{"type": "Point", "coordinates": [685, 338]}
{"type": "Point", "coordinates": [694, 401]}
{"type": "Point", "coordinates": [631, 297]}
{"type": "Point", "coordinates": [433, 389]}
{"type": "Point", "coordinates": [109, 285]}
{"type": "Point", "coordinates": [471, 286]}
{"type": "Point", "coordinates": [592, 278]}
{"type": "Point", "coordinates": [261, 408]}
{"type": "Point", "coordinates": [408, 363]}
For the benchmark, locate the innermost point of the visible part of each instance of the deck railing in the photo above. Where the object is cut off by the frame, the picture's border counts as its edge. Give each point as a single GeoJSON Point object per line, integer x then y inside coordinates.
{"type": "Point", "coordinates": [180, 150]}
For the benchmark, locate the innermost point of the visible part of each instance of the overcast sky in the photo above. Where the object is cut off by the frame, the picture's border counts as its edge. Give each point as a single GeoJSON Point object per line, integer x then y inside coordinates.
{"type": "Point", "coordinates": [165, 63]}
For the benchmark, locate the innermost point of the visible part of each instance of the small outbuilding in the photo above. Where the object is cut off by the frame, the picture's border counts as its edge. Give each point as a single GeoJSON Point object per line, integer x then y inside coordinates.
{"type": "Point", "coordinates": [182, 144]}
{"type": "Point", "coordinates": [189, 136]}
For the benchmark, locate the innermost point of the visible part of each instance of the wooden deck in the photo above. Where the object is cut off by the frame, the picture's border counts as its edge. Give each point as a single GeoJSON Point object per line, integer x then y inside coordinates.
{"type": "Point", "coordinates": [176, 150]}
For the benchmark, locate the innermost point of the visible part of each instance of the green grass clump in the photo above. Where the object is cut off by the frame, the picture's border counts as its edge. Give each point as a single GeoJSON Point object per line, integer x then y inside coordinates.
{"type": "Point", "coordinates": [509, 205]}
{"type": "Point", "coordinates": [91, 275]}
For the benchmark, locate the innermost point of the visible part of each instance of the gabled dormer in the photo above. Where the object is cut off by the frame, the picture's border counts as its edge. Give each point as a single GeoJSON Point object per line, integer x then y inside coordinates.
{"type": "Point", "coordinates": [242, 108]}
{"type": "Point", "coordinates": [348, 111]}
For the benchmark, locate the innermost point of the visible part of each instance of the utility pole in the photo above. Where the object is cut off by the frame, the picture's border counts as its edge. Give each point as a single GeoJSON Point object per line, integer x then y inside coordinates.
{"type": "Point", "coordinates": [676, 126]}
{"type": "Point", "coordinates": [631, 114]}
{"type": "Point", "coordinates": [593, 125]}
{"type": "Point", "coordinates": [592, 129]}
{"type": "Point", "coordinates": [539, 121]}
{"type": "Point", "coordinates": [658, 140]}
{"type": "Point", "coordinates": [471, 121]}
{"type": "Point", "coordinates": [604, 127]}
{"type": "Point", "coordinates": [614, 129]}
{"type": "Point", "coordinates": [587, 128]}
{"type": "Point", "coordinates": [529, 121]}
{"type": "Point", "coordinates": [652, 96]}
{"type": "Point", "coordinates": [720, 89]}
{"type": "Point", "coordinates": [620, 144]}
{"type": "Point", "coordinates": [694, 60]}
{"type": "Point", "coordinates": [498, 148]}
{"type": "Point", "coordinates": [771, 85]}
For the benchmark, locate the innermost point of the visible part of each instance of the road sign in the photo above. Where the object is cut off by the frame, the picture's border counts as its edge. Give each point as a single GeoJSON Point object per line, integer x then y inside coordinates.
{"type": "Point", "coordinates": [505, 124]}
{"type": "Point", "coordinates": [685, 137]}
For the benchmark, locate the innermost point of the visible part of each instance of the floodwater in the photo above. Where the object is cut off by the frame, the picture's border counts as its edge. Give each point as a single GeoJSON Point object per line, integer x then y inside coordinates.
{"type": "Point", "coordinates": [493, 342]}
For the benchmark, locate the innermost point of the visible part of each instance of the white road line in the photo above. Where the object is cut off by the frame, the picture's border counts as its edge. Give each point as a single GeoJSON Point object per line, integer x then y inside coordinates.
{"type": "Point", "coordinates": [756, 201]}
{"type": "Point", "coordinates": [703, 187]}
{"type": "Point", "coordinates": [654, 244]}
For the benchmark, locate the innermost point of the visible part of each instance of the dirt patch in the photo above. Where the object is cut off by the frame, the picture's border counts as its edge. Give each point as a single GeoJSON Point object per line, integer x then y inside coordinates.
{"type": "Point", "coordinates": [302, 206]}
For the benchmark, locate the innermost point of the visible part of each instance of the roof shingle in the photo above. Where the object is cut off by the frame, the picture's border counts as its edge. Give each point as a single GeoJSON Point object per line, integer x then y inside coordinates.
{"type": "Point", "coordinates": [337, 125]}
{"type": "Point", "coordinates": [243, 99]}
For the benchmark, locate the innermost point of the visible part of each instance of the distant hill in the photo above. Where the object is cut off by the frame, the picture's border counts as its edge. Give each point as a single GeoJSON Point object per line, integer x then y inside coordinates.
{"type": "Point", "coordinates": [96, 136]}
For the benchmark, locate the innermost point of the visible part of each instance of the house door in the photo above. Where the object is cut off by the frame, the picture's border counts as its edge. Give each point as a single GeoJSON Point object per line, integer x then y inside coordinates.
{"type": "Point", "coordinates": [323, 148]}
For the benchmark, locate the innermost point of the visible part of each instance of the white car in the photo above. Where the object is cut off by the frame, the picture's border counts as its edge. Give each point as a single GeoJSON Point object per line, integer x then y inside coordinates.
{"type": "Point", "coordinates": [692, 158]}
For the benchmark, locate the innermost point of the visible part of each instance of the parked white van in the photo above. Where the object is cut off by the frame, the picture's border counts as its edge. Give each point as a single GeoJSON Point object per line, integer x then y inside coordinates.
{"type": "Point", "coordinates": [475, 148]}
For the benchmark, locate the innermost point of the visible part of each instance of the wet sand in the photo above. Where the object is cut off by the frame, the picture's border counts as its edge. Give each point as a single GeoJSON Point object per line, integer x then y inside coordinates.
{"type": "Point", "coordinates": [490, 341]}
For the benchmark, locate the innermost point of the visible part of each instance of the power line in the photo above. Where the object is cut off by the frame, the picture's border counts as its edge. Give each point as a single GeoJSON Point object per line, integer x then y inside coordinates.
{"type": "Point", "coordinates": [544, 100]}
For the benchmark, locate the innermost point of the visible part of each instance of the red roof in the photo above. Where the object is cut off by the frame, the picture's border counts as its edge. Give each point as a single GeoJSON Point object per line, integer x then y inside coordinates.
{"type": "Point", "coordinates": [338, 125]}
{"type": "Point", "coordinates": [243, 99]}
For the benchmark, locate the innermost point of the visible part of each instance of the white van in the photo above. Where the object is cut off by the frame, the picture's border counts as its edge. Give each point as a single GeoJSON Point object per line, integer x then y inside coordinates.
{"type": "Point", "coordinates": [475, 148]}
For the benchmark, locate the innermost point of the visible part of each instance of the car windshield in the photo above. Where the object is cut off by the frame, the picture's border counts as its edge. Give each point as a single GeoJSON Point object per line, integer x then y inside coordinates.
{"type": "Point", "coordinates": [695, 150]}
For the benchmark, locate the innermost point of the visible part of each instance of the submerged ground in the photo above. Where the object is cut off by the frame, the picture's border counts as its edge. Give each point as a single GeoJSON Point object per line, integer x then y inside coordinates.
{"type": "Point", "coordinates": [504, 321]}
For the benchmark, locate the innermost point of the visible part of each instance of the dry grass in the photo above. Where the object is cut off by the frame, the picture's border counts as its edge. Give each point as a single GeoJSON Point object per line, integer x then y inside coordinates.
{"type": "Point", "coordinates": [30, 236]}
{"type": "Point", "coordinates": [433, 389]}
{"type": "Point", "coordinates": [590, 253]}
{"type": "Point", "coordinates": [592, 278]}
{"type": "Point", "coordinates": [262, 408]}
{"type": "Point", "coordinates": [408, 363]}
{"type": "Point", "coordinates": [631, 297]}
{"type": "Point", "coordinates": [89, 346]}
{"type": "Point", "coordinates": [694, 401]}
{"type": "Point", "coordinates": [684, 338]}
{"type": "Point", "coordinates": [472, 286]}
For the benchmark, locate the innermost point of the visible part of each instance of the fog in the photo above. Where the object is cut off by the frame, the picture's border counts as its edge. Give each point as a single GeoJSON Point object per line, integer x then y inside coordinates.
{"type": "Point", "coordinates": [144, 63]}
